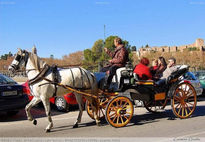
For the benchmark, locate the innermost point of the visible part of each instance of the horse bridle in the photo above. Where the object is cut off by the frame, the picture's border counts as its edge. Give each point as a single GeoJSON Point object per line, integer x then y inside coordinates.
{"type": "Point", "coordinates": [19, 58]}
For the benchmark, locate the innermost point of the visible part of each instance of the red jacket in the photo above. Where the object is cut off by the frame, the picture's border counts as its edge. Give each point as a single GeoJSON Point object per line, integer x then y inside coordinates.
{"type": "Point", "coordinates": [143, 72]}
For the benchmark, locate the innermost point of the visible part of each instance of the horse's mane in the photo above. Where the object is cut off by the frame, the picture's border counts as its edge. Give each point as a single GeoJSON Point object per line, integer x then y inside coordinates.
{"type": "Point", "coordinates": [37, 62]}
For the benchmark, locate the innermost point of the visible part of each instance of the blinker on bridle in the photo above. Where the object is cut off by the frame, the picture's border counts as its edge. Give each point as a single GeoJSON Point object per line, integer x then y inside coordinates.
{"type": "Point", "coordinates": [21, 57]}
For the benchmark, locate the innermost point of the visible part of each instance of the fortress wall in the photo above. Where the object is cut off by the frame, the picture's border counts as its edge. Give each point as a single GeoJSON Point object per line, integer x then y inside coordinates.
{"type": "Point", "coordinates": [173, 49]}
{"type": "Point", "coordinates": [199, 43]}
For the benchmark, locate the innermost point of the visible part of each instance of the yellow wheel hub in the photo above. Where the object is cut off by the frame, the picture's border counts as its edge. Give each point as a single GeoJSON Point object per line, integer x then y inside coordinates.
{"type": "Point", "coordinates": [118, 111]}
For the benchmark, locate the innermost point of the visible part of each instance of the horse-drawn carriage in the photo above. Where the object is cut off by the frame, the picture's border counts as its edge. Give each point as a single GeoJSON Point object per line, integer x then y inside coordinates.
{"type": "Point", "coordinates": [117, 106]}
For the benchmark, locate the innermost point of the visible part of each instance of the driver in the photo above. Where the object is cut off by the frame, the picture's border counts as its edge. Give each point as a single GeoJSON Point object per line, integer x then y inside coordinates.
{"type": "Point", "coordinates": [119, 59]}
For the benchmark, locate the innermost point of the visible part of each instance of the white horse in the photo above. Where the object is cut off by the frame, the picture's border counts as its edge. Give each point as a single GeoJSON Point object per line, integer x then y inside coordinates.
{"type": "Point", "coordinates": [43, 84]}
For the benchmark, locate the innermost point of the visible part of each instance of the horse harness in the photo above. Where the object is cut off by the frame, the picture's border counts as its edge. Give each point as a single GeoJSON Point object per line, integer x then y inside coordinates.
{"type": "Point", "coordinates": [55, 81]}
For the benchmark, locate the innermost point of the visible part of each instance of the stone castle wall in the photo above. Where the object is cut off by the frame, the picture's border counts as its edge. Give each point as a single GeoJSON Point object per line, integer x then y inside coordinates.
{"type": "Point", "coordinates": [199, 44]}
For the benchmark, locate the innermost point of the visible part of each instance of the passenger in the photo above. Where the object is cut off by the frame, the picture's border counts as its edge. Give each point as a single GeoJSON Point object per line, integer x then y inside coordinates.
{"type": "Point", "coordinates": [162, 65]}
{"type": "Point", "coordinates": [171, 67]}
{"type": "Point", "coordinates": [142, 70]}
{"type": "Point", "coordinates": [154, 67]}
{"type": "Point", "coordinates": [119, 59]}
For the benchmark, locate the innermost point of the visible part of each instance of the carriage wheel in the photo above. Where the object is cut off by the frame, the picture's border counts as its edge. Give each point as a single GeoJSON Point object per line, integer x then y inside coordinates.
{"type": "Point", "coordinates": [184, 100]}
{"type": "Point", "coordinates": [155, 106]}
{"type": "Point", "coordinates": [119, 111]}
{"type": "Point", "coordinates": [101, 111]}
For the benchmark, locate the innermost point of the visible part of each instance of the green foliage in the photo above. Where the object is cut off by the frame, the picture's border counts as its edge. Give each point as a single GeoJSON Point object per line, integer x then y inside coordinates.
{"type": "Point", "coordinates": [192, 49]}
{"type": "Point", "coordinates": [5, 56]}
{"type": "Point", "coordinates": [133, 48]}
{"type": "Point", "coordinates": [97, 50]}
{"type": "Point", "coordinates": [88, 55]}
{"type": "Point", "coordinates": [51, 56]}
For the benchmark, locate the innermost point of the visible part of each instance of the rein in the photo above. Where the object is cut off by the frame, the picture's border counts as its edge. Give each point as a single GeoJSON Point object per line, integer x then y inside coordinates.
{"type": "Point", "coordinates": [69, 88]}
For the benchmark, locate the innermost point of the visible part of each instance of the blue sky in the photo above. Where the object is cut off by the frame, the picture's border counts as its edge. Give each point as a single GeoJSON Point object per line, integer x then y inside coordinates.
{"type": "Point", "coordinates": [61, 27]}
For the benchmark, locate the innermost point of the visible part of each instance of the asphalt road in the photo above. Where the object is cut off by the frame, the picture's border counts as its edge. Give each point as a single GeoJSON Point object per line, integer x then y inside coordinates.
{"type": "Point", "coordinates": [143, 125]}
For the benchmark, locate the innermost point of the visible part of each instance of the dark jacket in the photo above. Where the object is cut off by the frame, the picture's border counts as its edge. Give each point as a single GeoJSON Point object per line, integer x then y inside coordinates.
{"type": "Point", "coordinates": [159, 72]}
{"type": "Point", "coordinates": [119, 56]}
{"type": "Point", "coordinates": [143, 72]}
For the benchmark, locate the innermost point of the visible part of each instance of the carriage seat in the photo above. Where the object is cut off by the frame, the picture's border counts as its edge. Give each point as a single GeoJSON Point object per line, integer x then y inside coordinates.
{"type": "Point", "coordinates": [139, 81]}
{"type": "Point", "coordinates": [117, 76]}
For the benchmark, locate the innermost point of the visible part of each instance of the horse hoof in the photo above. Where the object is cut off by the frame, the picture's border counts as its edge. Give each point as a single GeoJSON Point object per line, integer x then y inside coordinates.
{"type": "Point", "coordinates": [99, 124]}
{"type": "Point", "coordinates": [48, 130]}
{"type": "Point", "coordinates": [75, 126]}
{"type": "Point", "coordinates": [34, 122]}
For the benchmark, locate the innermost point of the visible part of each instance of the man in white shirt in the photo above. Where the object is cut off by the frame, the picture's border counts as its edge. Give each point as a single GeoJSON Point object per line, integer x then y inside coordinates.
{"type": "Point", "coordinates": [171, 67]}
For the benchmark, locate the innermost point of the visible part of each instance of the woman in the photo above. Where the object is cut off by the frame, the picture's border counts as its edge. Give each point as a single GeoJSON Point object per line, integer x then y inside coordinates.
{"type": "Point", "coordinates": [154, 67]}
{"type": "Point", "coordinates": [142, 70]}
{"type": "Point", "coordinates": [162, 65]}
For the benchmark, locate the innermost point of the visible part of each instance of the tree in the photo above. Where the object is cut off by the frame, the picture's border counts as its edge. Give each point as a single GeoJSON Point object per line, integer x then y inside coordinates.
{"type": "Point", "coordinates": [133, 48]}
{"type": "Point", "coordinates": [51, 56]}
{"type": "Point", "coordinates": [75, 58]}
{"type": "Point", "coordinates": [88, 55]}
{"type": "Point", "coordinates": [6, 56]}
{"type": "Point", "coordinates": [97, 50]}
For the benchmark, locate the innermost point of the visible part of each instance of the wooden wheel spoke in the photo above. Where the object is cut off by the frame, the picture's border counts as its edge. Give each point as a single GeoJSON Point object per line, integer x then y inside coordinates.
{"type": "Point", "coordinates": [178, 105]}
{"type": "Point", "coordinates": [125, 117]}
{"type": "Point", "coordinates": [190, 103]}
{"type": "Point", "coordinates": [114, 118]}
{"type": "Point", "coordinates": [186, 87]}
{"type": "Point", "coordinates": [189, 95]}
{"type": "Point", "coordinates": [118, 117]}
{"type": "Point", "coordinates": [177, 98]}
{"type": "Point", "coordinates": [120, 102]}
{"type": "Point", "coordinates": [179, 110]}
{"type": "Point", "coordinates": [182, 111]}
{"type": "Point", "coordinates": [186, 111]}
{"type": "Point", "coordinates": [112, 115]}
{"type": "Point", "coordinates": [188, 107]}
{"type": "Point", "coordinates": [124, 106]}
{"type": "Point", "coordinates": [129, 112]}
{"type": "Point", "coordinates": [121, 119]}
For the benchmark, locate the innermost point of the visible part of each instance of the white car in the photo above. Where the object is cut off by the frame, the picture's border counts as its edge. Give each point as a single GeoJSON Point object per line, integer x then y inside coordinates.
{"type": "Point", "coordinates": [195, 82]}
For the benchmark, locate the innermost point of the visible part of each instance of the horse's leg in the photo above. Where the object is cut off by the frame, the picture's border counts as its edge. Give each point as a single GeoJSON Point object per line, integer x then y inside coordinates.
{"type": "Point", "coordinates": [95, 108]}
{"type": "Point", "coordinates": [28, 107]}
{"type": "Point", "coordinates": [79, 99]}
{"type": "Point", "coordinates": [47, 107]}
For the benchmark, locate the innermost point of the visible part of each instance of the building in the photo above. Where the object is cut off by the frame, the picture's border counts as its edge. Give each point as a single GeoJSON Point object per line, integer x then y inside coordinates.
{"type": "Point", "coordinates": [197, 45]}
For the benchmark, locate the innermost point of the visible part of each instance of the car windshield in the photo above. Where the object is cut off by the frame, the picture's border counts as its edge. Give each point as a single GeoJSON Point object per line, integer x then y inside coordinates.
{"type": "Point", "coordinates": [190, 76]}
{"type": "Point", "coordinates": [200, 75]}
{"type": "Point", "coordinates": [6, 80]}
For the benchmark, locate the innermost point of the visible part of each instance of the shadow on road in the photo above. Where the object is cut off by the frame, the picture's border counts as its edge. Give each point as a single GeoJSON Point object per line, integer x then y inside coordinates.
{"type": "Point", "coordinates": [36, 112]}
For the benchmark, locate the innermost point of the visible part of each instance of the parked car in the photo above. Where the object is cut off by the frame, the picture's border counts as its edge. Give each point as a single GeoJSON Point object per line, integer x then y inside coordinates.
{"type": "Point", "coordinates": [12, 97]}
{"type": "Point", "coordinates": [62, 103]}
{"type": "Point", "coordinates": [201, 77]}
{"type": "Point", "coordinates": [194, 81]}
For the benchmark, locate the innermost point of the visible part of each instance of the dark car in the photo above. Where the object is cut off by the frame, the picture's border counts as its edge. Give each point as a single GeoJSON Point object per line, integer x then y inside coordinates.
{"type": "Point", "coordinates": [12, 97]}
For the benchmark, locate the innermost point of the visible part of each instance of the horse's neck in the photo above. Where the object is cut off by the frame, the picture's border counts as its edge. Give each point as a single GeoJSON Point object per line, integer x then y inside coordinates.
{"type": "Point", "coordinates": [33, 67]}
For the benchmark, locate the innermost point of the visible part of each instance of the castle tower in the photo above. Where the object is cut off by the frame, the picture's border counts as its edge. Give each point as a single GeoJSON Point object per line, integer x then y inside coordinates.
{"type": "Point", "coordinates": [199, 42]}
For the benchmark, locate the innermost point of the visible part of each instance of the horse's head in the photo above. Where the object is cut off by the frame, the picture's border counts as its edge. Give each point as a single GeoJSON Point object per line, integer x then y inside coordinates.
{"type": "Point", "coordinates": [21, 58]}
